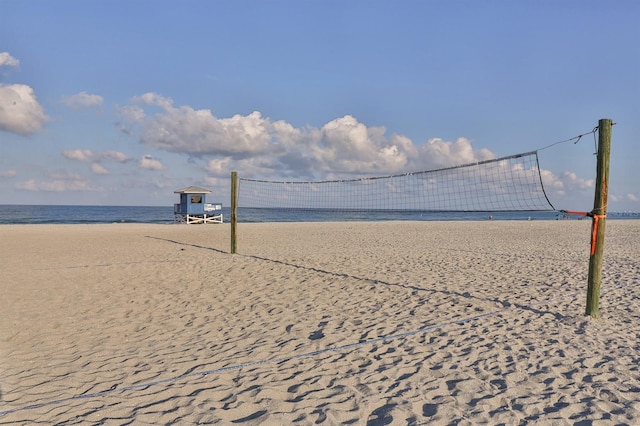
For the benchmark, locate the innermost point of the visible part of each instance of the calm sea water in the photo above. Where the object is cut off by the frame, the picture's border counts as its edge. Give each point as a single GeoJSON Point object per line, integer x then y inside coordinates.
{"type": "Point", "coordinates": [26, 214]}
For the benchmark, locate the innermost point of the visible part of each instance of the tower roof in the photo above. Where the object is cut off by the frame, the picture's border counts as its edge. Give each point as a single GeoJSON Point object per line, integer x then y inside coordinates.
{"type": "Point", "coordinates": [192, 190]}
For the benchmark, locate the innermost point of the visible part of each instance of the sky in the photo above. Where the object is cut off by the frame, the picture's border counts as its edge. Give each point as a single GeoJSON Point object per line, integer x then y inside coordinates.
{"type": "Point", "coordinates": [122, 102]}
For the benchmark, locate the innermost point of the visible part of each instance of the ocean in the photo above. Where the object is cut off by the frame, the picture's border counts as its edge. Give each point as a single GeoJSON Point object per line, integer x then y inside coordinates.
{"type": "Point", "coordinates": [34, 214]}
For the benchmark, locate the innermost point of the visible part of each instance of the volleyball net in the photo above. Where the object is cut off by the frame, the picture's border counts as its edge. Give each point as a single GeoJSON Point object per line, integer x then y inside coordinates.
{"type": "Point", "coordinates": [504, 184]}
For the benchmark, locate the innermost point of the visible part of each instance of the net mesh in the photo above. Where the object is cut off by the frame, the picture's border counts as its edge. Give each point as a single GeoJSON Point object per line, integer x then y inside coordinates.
{"type": "Point", "coordinates": [505, 184]}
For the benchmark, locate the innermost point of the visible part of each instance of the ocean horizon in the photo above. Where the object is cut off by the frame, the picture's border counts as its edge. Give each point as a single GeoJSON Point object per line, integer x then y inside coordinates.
{"type": "Point", "coordinates": [72, 214]}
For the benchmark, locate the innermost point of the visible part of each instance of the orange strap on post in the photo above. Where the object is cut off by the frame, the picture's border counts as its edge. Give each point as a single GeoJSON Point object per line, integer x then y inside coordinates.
{"type": "Point", "coordinates": [578, 213]}
{"type": "Point", "coordinates": [596, 218]}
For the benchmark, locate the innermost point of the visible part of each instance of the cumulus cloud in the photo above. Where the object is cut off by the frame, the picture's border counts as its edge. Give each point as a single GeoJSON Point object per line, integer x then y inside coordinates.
{"type": "Point", "coordinates": [574, 182]}
{"type": "Point", "coordinates": [131, 116]}
{"type": "Point", "coordinates": [83, 100]}
{"type": "Point", "coordinates": [147, 162]}
{"type": "Point", "coordinates": [345, 145]}
{"type": "Point", "coordinates": [259, 147]}
{"type": "Point", "coordinates": [211, 181]}
{"type": "Point", "coordinates": [55, 185]}
{"type": "Point", "coordinates": [8, 173]}
{"type": "Point", "coordinates": [20, 111]}
{"type": "Point", "coordinates": [199, 133]}
{"type": "Point", "coordinates": [439, 153]}
{"type": "Point", "coordinates": [629, 199]}
{"type": "Point", "coordinates": [7, 60]}
{"type": "Point", "coordinates": [79, 154]}
{"type": "Point", "coordinates": [64, 175]}
{"type": "Point", "coordinates": [116, 156]}
{"type": "Point", "coordinates": [219, 167]}
{"type": "Point", "coordinates": [133, 113]}
{"type": "Point", "coordinates": [59, 181]}
{"type": "Point", "coordinates": [155, 100]}
{"type": "Point", "coordinates": [99, 169]}
{"type": "Point", "coordinates": [565, 183]}
{"type": "Point", "coordinates": [256, 145]}
{"type": "Point", "coordinates": [87, 155]}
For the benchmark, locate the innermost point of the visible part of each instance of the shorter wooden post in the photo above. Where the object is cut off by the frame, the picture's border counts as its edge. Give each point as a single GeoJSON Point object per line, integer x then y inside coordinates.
{"type": "Point", "coordinates": [599, 215]}
{"type": "Point", "coordinates": [234, 210]}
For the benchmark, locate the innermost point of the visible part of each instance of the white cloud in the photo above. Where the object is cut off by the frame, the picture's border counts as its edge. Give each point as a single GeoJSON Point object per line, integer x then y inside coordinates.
{"type": "Point", "coordinates": [199, 133]}
{"type": "Point", "coordinates": [259, 147]}
{"type": "Point", "coordinates": [149, 163]}
{"type": "Point", "coordinates": [219, 167]}
{"type": "Point", "coordinates": [79, 154]}
{"type": "Point", "coordinates": [87, 155]}
{"type": "Point", "coordinates": [551, 182]}
{"type": "Point", "coordinates": [8, 173]}
{"type": "Point", "coordinates": [629, 200]}
{"type": "Point", "coordinates": [7, 60]}
{"type": "Point", "coordinates": [573, 182]}
{"type": "Point", "coordinates": [155, 100]}
{"type": "Point", "coordinates": [20, 111]}
{"type": "Point", "coordinates": [56, 185]}
{"type": "Point", "coordinates": [28, 185]}
{"type": "Point", "coordinates": [256, 145]}
{"type": "Point", "coordinates": [99, 169]}
{"type": "Point", "coordinates": [348, 146]}
{"type": "Point", "coordinates": [437, 153]}
{"type": "Point", "coordinates": [83, 100]}
{"type": "Point", "coordinates": [64, 175]}
{"type": "Point", "coordinates": [118, 156]}
{"type": "Point", "coordinates": [564, 184]}
{"type": "Point", "coordinates": [131, 113]}
{"type": "Point", "coordinates": [211, 181]}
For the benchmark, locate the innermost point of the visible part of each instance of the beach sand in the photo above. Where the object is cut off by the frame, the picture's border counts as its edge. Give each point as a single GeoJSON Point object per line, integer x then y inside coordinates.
{"type": "Point", "coordinates": [318, 323]}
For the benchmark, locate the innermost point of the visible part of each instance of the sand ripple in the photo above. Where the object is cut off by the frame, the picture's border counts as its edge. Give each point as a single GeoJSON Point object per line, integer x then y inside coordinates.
{"type": "Point", "coordinates": [346, 323]}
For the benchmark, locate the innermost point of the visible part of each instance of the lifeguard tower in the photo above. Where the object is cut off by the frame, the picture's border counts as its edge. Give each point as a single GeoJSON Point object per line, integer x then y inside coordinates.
{"type": "Point", "coordinates": [193, 207]}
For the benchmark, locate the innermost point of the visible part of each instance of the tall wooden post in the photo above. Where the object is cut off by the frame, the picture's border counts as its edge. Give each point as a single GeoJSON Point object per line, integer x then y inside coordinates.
{"type": "Point", "coordinates": [599, 215]}
{"type": "Point", "coordinates": [234, 209]}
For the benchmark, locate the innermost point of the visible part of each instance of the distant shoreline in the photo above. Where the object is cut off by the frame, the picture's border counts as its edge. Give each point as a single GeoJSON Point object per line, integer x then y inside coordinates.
{"type": "Point", "coordinates": [35, 214]}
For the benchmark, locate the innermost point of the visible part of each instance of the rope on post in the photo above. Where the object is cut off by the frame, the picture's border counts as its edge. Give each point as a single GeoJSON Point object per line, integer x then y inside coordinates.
{"type": "Point", "coordinates": [596, 218]}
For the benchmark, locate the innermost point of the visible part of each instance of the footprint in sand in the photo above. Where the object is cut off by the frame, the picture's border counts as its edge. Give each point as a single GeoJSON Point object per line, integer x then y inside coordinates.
{"type": "Point", "coordinates": [318, 334]}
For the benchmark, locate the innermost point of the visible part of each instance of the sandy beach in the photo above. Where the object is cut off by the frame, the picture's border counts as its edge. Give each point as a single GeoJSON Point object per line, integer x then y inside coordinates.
{"type": "Point", "coordinates": [441, 323]}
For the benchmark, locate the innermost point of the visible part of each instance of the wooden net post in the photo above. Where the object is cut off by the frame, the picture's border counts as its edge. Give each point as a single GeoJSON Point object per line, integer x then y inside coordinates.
{"type": "Point", "coordinates": [599, 215]}
{"type": "Point", "coordinates": [234, 210]}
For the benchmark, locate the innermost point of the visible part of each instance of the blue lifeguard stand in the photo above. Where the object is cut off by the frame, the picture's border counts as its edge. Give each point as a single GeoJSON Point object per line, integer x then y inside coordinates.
{"type": "Point", "coordinates": [193, 207]}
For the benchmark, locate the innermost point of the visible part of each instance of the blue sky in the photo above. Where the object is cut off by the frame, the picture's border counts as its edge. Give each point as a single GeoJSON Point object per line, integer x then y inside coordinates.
{"type": "Point", "coordinates": [123, 102]}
